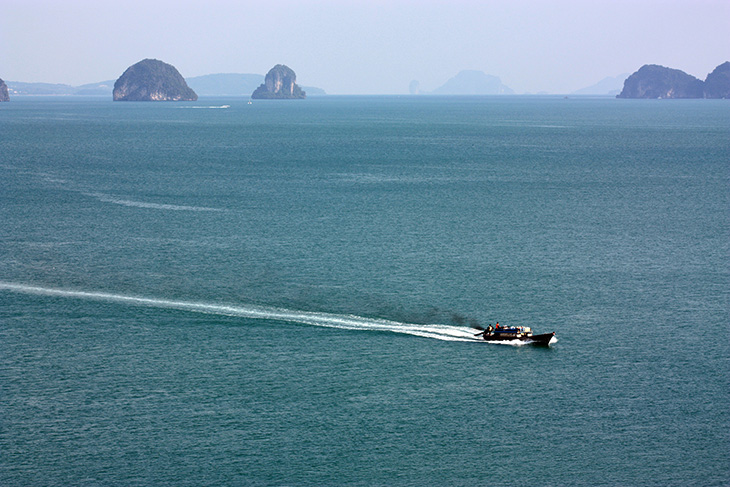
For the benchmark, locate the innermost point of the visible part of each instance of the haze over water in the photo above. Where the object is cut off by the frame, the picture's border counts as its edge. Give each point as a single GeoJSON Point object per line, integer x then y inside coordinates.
{"type": "Point", "coordinates": [349, 47]}
{"type": "Point", "coordinates": [280, 293]}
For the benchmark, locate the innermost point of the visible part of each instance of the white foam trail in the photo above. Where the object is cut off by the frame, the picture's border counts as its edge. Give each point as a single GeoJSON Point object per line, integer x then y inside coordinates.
{"type": "Point", "coordinates": [143, 204]}
{"type": "Point", "coordinates": [347, 322]}
{"type": "Point", "coordinates": [211, 107]}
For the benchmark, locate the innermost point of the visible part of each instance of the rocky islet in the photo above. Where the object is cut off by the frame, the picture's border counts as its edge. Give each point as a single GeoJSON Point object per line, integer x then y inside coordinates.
{"type": "Point", "coordinates": [152, 80]}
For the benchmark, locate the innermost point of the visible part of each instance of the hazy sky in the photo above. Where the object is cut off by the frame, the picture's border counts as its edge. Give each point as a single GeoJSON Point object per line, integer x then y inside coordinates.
{"type": "Point", "coordinates": [365, 47]}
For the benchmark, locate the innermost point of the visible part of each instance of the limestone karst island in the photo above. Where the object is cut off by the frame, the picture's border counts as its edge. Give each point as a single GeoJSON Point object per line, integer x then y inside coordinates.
{"type": "Point", "coordinates": [654, 81]}
{"type": "Point", "coordinates": [152, 80]}
{"type": "Point", "coordinates": [4, 96]}
{"type": "Point", "coordinates": [717, 83]}
{"type": "Point", "coordinates": [280, 84]}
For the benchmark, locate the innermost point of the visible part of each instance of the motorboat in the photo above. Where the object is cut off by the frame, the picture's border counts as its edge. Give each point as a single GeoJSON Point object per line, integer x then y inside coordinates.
{"type": "Point", "coordinates": [510, 334]}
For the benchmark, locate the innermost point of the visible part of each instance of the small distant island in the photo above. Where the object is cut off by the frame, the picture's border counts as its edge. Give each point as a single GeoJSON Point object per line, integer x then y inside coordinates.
{"type": "Point", "coordinates": [467, 82]}
{"type": "Point", "coordinates": [472, 82]}
{"type": "Point", "coordinates": [279, 84]}
{"type": "Point", "coordinates": [654, 81]}
{"type": "Point", "coordinates": [152, 80]}
{"type": "Point", "coordinates": [4, 96]}
{"type": "Point", "coordinates": [610, 85]}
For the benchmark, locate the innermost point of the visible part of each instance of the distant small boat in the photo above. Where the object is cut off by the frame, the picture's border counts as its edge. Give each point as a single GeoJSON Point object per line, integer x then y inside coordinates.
{"type": "Point", "coordinates": [508, 334]}
{"type": "Point", "coordinates": [250, 102]}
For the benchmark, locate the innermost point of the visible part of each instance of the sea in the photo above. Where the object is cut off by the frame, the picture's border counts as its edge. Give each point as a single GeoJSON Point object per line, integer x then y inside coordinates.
{"type": "Point", "coordinates": [287, 293]}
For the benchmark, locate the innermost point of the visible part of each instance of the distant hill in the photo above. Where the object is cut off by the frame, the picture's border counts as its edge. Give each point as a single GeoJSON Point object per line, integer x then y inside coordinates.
{"type": "Point", "coordinates": [313, 91]}
{"type": "Point", "coordinates": [21, 88]}
{"type": "Point", "coordinates": [225, 84]}
{"type": "Point", "coordinates": [607, 86]}
{"type": "Point", "coordinates": [101, 88]}
{"type": "Point", "coordinates": [472, 83]}
{"type": "Point", "coordinates": [234, 84]}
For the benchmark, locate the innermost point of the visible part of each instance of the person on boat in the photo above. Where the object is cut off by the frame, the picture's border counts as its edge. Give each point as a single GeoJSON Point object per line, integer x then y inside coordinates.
{"type": "Point", "coordinates": [486, 332]}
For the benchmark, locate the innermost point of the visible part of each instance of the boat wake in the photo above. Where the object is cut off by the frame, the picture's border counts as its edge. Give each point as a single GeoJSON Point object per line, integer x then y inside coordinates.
{"type": "Point", "coordinates": [143, 204]}
{"type": "Point", "coordinates": [223, 107]}
{"type": "Point", "coordinates": [347, 322]}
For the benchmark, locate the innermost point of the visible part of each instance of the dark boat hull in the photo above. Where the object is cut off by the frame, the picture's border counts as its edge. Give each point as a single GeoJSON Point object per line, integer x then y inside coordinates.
{"type": "Point", "coordinates": [543, 340]}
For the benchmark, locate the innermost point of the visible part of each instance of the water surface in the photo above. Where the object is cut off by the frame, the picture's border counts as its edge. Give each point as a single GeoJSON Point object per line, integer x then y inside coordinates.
{"type": "Point", "coordinates": [281, 293]}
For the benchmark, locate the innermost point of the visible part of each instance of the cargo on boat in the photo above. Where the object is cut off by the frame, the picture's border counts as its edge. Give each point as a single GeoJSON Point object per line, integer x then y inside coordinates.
{"type": "Point", "coordinates": [499, 333]}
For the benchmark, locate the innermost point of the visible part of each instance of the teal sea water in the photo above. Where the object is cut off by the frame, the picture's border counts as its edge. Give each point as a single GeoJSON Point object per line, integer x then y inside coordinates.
{"type": "Point", "coordinates": [281, 294]}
